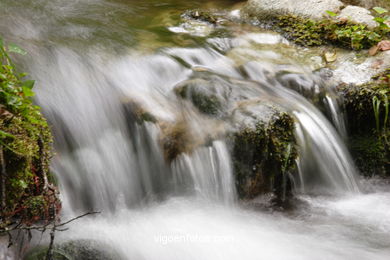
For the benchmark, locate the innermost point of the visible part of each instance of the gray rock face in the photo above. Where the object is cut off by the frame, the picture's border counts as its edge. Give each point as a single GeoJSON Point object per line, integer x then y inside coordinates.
{"type": "Point", "coordinates": [315, 9]}
{"type": "Point", "coordinates": [368, 3]}
{"type": "Point", "coordinates": [351, 69]}
{"type": "Point", "coordinates": [358, 15]}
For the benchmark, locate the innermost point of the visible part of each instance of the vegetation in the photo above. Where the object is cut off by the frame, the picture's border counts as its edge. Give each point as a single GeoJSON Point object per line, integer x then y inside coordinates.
{"type": "Point", "coordinates": [367, 108]}
{"type": "Point", "coordinates": [264, 156]}
{"type": "Point", "coordinates": [207, 103]}
{"type": "Point", "coordinates": [341, 33]}
{"type": "Point", "coordinates": [26, 194]}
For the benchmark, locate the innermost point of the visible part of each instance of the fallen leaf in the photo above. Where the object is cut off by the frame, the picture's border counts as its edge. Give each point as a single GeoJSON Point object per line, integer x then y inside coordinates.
{"type": "Point", "coordinates": [384, 45]}
{"type": "Point", "coordinates": [373, 50]}
{"type": "Point", "coordinates": [330, 56]}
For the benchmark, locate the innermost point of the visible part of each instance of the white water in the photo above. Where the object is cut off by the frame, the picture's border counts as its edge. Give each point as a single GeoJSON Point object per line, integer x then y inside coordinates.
{"type": "Point", "coordinates": [188, 209]}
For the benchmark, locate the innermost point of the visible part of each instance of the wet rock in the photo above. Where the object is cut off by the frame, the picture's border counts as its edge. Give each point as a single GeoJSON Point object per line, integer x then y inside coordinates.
{"type": "Point", "coordinates": [371, 154]}
{"type": "Point", "coordinates": [214, 95]}
{"type": "Point", "coordinates": [264, 150]}
{"type": "Point", "coordinates": [262, 134]}
{"type": "Point", "coordinates": [315, 9]}
{"type": "Point", "coordinates": [358, 15]}
{"type": "Point", "coordinates": [198, 91]}
{"type": "Point", "coordinates": [367, 109]}
{"type": "Point", "coordinates": [359, 68]}
{"type": "Point", "coordinates": [76, 250]}
{"type": "Point", "coordinates": [135, 112]}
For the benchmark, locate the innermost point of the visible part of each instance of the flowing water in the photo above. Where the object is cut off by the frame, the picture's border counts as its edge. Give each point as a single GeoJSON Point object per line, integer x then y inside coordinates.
{"type": "Point", "coordinates": [94, 60]}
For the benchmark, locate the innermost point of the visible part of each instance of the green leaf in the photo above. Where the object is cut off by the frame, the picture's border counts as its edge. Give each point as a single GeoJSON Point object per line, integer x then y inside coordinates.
{"type": "Point", "coordinates": [1, 43]}
{"type": "Point", "coordinates": [379, 19]}
{"type": "Point", "coordinates": [331, 13]}
{"type": "Point", "coordinates": [23, 184]}
{"type": "Point", "coordinates": [12, 47]}
{"type": "Point", "coordinates": [29, 84]}
{"type": "Point", "coordinates": [27, 91]}
{"type": "Point", "coordinates": [380, 10]}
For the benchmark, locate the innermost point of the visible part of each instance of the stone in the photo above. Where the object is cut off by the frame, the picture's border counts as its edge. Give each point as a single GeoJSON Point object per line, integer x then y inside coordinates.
{"type": "Point", "coordinates": [315, 9]}
{"type": "Point", "coordinates": [264, 149]}
{"type": "Point", "coordinates": [358, 68]}
{"type": "Point", "coordinates": [76, 250]}
{"type": "Point", "coordinates": [358, 15]}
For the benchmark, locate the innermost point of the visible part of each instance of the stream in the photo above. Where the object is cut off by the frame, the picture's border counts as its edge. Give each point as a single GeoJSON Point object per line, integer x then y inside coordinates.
{"type": "Point", "coordinates": [92, 59]}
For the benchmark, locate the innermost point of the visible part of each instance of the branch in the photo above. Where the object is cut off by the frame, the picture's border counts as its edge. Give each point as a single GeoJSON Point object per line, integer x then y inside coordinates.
{"type": "Point", "coordinates": [52, 225]}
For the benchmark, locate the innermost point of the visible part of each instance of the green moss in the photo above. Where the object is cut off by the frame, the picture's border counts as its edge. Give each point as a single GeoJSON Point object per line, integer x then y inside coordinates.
{"type": "Point", "coordinates": [207, 103]}
{"type": "Point", "coordinates": [369, 153]}
{"type": "Point", "coordinates": [367, 108]}
{"type": "Point", "coordinates": [25, 141]}
{"type": "Point", "coordinates": [201, 15]}
{"type": "Point", "coordinates": [344, 34]}
{"type": "Point", "coordinates": [262, 157]}
{"type": "Point", "coordinates": [359, 104]}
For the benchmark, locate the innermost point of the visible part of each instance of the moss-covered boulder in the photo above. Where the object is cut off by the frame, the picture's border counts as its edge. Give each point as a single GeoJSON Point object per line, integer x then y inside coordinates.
{"type": "Point", "coordinates": [264, 150]}
{"type": "Point", "coordinates": [367, 108]}
{"type": "Point", "coordinates": [261, 133]}
{"type": "Point", "coordinates": [319, 23]}
{"type": "Point", "coordinates": [75, 250]}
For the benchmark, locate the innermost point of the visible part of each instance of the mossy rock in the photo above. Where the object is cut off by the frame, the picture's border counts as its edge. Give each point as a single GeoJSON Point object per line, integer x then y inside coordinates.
{"type": "Point", "coordinates": [306, 31]}
{"type": "Point", "coordinates": [264, 152]}
{"type": "Point", "coordinates": [371, 154]}
{"type": "Point", "coordinates": [359, 105]}
{"type": "Point", "coordinates": [202, 15]}
{"type": "Point", "coordinates": [340, 33]}
{"type": "Point", "coordinates": [367, 108]}
{"type": "Point", "coordinates": [199, 94]}
{"type": "Point", "coordinates": [75, 250]}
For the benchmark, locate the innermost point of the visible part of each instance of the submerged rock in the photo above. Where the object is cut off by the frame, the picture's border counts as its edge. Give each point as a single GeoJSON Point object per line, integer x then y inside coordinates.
{"type": "Point", "coordinates": [261, 133]}
{"type": "Point", "coordinates": [215, 95]}
{"type": "Point", "coordinates": [76, 250]}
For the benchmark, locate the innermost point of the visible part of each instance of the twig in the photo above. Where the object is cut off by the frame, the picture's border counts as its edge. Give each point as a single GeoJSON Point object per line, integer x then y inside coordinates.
{"type": "Point", "coordinates": [53, 228]}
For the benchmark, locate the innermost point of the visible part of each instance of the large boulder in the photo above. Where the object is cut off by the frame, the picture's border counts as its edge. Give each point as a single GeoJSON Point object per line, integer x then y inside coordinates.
{"type": "Point", "coordinates": [314, 9]}
{"type": "Point", "coordinates": [261, 132]}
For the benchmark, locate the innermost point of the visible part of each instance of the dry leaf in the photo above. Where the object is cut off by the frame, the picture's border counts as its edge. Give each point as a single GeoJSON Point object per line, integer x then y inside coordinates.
{"type": "Point", "coordinates": [373, 50]}
{"type": "Point", "coordinates": [384, 45]}
{"type": "Point", "coordinates": [330, 56]}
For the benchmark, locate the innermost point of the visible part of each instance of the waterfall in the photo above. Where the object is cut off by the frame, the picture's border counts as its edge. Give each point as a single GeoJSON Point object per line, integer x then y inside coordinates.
{"type": "Point", "coordinates": [161, 171]}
